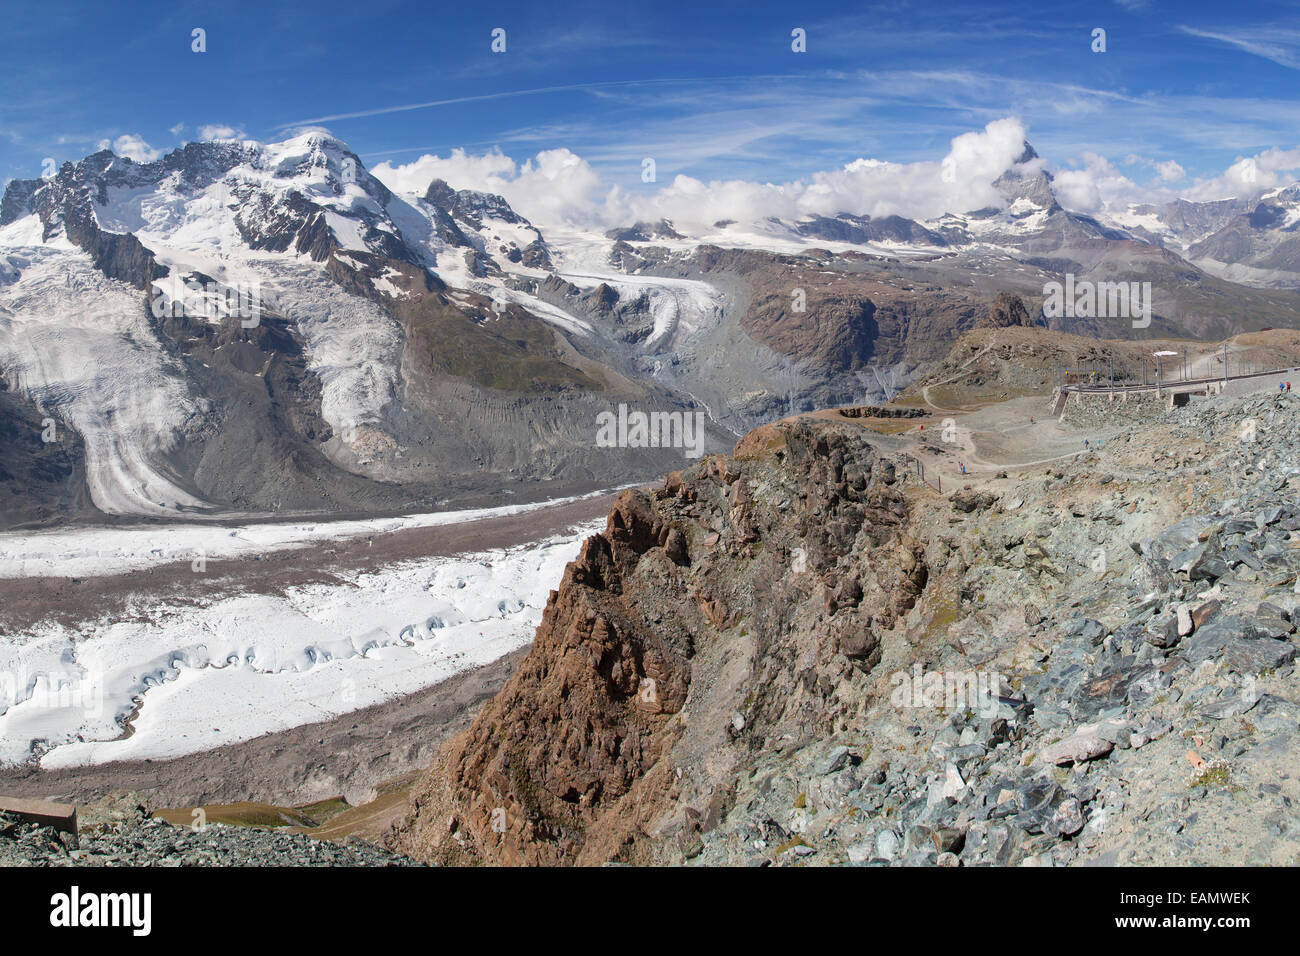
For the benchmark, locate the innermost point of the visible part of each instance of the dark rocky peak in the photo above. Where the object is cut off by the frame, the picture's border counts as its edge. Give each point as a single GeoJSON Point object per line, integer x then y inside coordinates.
{"type": "Point", "coordinates": [459, 215]}
{"type": "Point", "coordinates": [1006, 310]}
{"type": "Point", "coordinates": [198, 164]}
{"type": "Point", "coordinates": [862, 229]}
{"type": "Point", "coordinates": [476, 206]}
{"type": "Point", "coordinates": [66, 202]}
{"type": "Point", "coordinates": [1273, 211]}
{"type": "Point", "coordinates": [1091, 226]}
{"type": "Point", "coordinates": [1028, 154]}
{"type": "Point", "coordinates": [1035, 187]}
{"type": "Point", "coordinates": [623, 255]}
{"type": "Point", "coordinates": [17, 201]}
{"type": "Point", "coordinates": [536, 256]}
{"type": "Point", "coordinates": [447, 229]}
{"type": "Point", "coordinates": [470, 205]}
{"type": "Point", "coordinates": [1027, 179]}
{"type": "Point", "coordinates": [1266, 216]}
{"type": "Point", "coordinates": [88, 180]}
{"type": "Point", "coordinates": [645, 232]}
{"type": "Point", "coordinates": [603, 299]}
{"type": "Point", "coordinates": [1196, 219]}
{"type": "Point", "coordinates": [440, 194]}
{"type": "Point", "coordinates": [201, 164]}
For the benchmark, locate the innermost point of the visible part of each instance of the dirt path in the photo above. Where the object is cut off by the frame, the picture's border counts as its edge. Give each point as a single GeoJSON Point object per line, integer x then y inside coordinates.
{"type": "Point", "coordinates": [1017, 434]}
{"type": "Point", "coordinates": [1007, 436]}
{"type": "Point", "coordinates": [925, 390]}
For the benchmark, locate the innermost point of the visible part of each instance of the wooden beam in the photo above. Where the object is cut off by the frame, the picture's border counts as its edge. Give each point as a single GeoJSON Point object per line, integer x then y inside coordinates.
{"type": "Point", "coordinates": [60, 816]}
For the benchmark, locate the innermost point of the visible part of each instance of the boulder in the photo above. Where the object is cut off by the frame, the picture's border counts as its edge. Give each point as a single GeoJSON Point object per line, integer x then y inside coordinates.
{"type": "Point", "coordinates": [1084, 744]}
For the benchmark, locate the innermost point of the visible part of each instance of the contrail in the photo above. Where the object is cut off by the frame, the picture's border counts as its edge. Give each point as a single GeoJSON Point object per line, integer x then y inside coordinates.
{"type": "Point", "coordinates": [380, 111]}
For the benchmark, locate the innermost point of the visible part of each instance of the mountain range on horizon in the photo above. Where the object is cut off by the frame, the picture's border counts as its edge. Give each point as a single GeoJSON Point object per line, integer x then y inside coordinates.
{"type": "Point", "coordinates": [414, 349]}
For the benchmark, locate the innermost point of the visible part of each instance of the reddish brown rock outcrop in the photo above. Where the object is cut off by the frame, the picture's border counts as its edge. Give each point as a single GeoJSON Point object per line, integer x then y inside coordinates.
{"type": "Point", "coordinates": [708, 621]}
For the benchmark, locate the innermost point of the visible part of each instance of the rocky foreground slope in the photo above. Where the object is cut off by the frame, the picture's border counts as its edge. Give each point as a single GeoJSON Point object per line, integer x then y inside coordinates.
{"type": "Point", "coordinates": [799, 654]}
{"type": "Point", "coordinates": [115, 832]}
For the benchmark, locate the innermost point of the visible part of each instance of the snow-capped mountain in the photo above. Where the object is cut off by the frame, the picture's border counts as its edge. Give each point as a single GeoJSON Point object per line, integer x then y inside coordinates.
{"type": "Point", "coordinates": [246, 327]}
{"type": "Point", "coordinates": [1255, 242]}
{"type": "Point", "coordinates": [1259, 244]}
{"type": "Point", "coordinates": [261, 327]}
{"type": "Point", "coordinates": [1030, 212]}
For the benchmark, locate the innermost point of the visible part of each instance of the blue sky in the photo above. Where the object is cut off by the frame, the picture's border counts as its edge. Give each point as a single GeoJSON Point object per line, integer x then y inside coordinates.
{"type": "Point", "coordinates": [710, 89]}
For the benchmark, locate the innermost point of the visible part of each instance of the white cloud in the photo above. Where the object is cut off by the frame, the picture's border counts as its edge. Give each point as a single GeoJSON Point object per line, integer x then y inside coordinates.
{"type": "Point", "coordinates": [555, 187]}
{"type": "Point", "coordinates": [177, 129]}
{"type": "Point", "coordinates": [132, 146]}
{"type": "Point", "coordinates": [1099, 186]}
{"type": "Point", "coordinates": [559, 184]}
{"type": "Point", "coordinates": [1170, 171]}
{"type": "Point", "coordinates": [1094, 187]}
{"type": "Point", "coordinates": [559, 187]}
{"type": "Point", "coordinates": [1249, 176]}
{"type": "Point", "coordinates": [460, 169]}
{"type": "Point", "coordinates": [219, 131]}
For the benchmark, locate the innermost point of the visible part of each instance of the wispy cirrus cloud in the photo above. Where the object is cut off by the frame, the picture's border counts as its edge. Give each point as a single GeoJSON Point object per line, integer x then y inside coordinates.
{"type": "Point", "coordinates": [774, 131]}
{"type": "Point", "coordinates": [503, 95]}
{"type": "Point", "coordinates": [1280, 46]}
{"type": "Point", "coordinates": [707, 90]}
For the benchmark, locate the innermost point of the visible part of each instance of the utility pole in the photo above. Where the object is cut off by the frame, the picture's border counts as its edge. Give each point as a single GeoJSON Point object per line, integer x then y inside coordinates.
{"type": "Point", "coordinates": [1225, 362]}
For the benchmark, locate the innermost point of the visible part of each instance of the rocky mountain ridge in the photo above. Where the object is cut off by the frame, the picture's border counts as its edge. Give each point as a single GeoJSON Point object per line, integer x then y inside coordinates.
{"type": "Point", "coordinates": [801, 655]}
{"type": "Point", "coordinates": [409, 351]}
